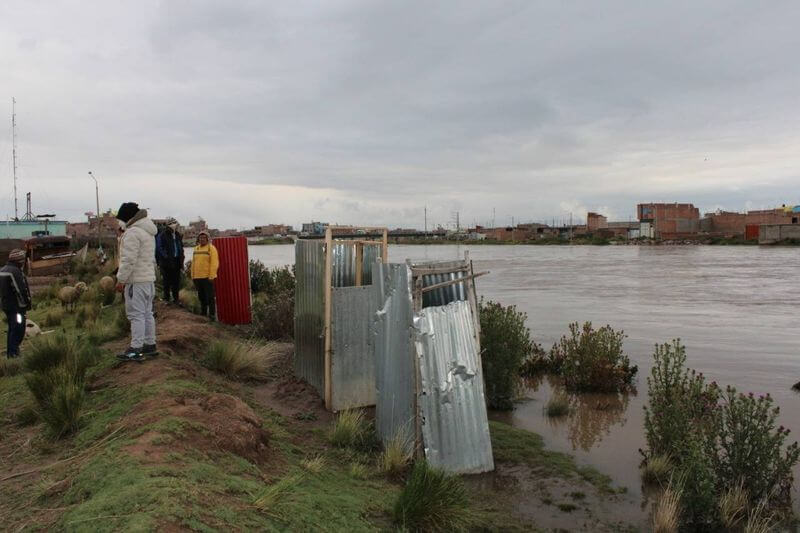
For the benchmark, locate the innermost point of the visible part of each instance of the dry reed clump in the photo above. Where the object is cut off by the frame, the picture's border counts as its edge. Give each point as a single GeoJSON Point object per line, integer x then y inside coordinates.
{"type": "Point", "coordinates": [667, 512]}
{"type": "Point", "coordinates": [242, 360]}
{"type": "Point", "coordinates": [432, 500]}
{"type": "Point", "coordinates": [657, 469]}
{"type": "Point", "coordinates": [557, 405]}
{"type": "Point", "coordinates": [760, 519]}
{"type": "Point", "coordinates": [733, 505]}
{"type": "Point", "coordinates": [396, 456]}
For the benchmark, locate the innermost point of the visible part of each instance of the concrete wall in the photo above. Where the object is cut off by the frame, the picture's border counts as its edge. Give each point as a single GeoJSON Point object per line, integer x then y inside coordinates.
{"type": "Point", "coordinates": [773, 233]}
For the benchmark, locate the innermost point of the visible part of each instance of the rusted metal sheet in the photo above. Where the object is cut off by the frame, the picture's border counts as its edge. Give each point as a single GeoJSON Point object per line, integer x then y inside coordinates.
{"type": "Point", "coordinates": [455, 425]}
{"type": "Point", "coordinates": [353, 357]}
{"type": "Point", "coordinates": [232, 285]}
{"type": "Point", "coordinates": [394, 352]}
{"type": "Point", "coordinates": [309, 312]}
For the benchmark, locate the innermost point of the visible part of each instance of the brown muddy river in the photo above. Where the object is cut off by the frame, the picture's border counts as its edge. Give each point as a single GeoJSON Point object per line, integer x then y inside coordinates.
{"type": "Point", "coordinates": [737, 310]}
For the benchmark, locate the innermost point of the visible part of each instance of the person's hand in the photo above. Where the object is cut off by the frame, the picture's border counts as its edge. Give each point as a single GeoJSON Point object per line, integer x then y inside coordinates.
{"type": "Point", "coordinates": [120, 287]}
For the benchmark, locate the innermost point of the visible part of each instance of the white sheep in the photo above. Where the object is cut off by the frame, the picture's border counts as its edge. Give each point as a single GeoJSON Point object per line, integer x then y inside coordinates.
{"type": "Point", "coordinates": [31, 328]}
{"type": "Point", "coordinates": [69, 295]}
{"type": "Point", "coordinates": [107, 284]}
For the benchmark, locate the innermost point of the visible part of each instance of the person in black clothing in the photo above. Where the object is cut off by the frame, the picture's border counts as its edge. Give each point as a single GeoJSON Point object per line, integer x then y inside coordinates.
{"type": "Point", "coordinates": [16, 298]}
{"type": "Point", "coordinates": [169, 254]}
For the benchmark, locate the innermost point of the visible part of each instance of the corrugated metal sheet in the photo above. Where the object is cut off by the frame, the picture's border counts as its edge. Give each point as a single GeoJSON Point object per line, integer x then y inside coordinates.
{"type": "Point", "coordinates": [394, 351]}
{"type": "Point", "coordinates": [353, 358]}
{"type": "Point", "coordinates": [455, 425]}
{"type": "Point", "coordinates": [309, 312]}
{"type": "Point", "coordinates": [233, 281]}
{"type": "Point", "coordinates": [344, 263]}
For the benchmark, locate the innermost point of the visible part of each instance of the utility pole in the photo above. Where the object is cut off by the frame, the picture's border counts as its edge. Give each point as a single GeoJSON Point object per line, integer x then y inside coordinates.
{"type": "Point", "coordinates": [426, 219]}
{"type": "Point", "coordinates": [493, 214]}
{"type": "Point", "coordinates": [99, 220]}
{"type": "Point", "coordinates": [14, 151]}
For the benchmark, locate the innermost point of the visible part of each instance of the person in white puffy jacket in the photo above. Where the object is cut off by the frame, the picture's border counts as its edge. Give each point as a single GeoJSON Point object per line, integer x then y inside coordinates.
{"type": "Point", "coordinates": [136, 279]}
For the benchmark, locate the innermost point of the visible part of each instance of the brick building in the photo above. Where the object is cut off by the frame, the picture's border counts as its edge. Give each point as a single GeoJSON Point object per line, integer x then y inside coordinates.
{"type": "Point", "coordinates": [733, 224]}
{"type": "Point", "coordinates": [668, 221]}
{"type": "Point", "coordinates": [270, 230]}
{"type": "Point", "coordinates": [595, 221]}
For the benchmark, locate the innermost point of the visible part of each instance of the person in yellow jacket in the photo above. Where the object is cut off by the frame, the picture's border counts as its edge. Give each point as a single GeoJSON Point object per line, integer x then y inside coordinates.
{"type": "Point", "coordinates": [205, 262]}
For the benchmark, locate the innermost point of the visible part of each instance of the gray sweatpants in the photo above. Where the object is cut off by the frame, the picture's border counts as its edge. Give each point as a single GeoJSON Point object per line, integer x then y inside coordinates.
{"type": "Point", "coordinates": [139, 308]}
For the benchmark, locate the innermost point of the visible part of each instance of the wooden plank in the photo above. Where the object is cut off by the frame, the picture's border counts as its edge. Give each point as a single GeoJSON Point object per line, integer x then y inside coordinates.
{"type": "Point", "coordinates": [327, 326]}
{"type": "Point", "coordinates": [359, 263]}
{"type": "Point", "coordinates": [454, 281]}
{"type": "Point", "coordinates": [357, 241]}
{"type": "Point", "coordinates": [427, 271]}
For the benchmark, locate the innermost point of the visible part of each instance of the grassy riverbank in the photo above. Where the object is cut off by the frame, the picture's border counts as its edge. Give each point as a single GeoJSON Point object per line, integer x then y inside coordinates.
{"type": "Point", "coordinates": [170, 444]}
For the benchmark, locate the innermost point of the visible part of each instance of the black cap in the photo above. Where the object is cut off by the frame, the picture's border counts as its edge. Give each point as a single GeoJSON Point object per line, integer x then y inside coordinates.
{"type": "Point", "coordinates": [127, 210]}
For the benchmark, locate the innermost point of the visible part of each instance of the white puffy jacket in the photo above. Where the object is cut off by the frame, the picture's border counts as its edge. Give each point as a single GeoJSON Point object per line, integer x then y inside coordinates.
{"type": "Point", "coordinates": [137, 250]}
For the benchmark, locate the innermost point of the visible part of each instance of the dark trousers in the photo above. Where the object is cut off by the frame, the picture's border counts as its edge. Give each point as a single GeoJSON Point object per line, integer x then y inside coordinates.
{"type": "Point", "coordinates": [171, 279]}
{"type": "Point", "coordinates": [205, 292]}
{"type": "Point", "coordinates": [16, 332]}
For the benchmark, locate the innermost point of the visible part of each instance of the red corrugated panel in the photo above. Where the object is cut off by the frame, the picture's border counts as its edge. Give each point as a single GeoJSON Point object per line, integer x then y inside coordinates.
{"type": "Point", "coordinates": [751, 232]}
{"type": "Point", "coordinates": [233, 281]}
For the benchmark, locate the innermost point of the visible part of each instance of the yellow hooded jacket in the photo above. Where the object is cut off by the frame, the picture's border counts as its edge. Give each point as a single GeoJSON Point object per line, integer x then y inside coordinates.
{"type": "Point", "coordinates": [205, 262]}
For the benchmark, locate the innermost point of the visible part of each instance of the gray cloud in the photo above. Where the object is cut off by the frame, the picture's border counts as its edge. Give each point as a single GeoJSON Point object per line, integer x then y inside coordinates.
{"type": "Point", "coordinates": [363, 112]}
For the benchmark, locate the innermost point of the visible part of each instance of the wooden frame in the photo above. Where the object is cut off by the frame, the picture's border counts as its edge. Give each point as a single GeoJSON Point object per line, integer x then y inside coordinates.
{"type": "Point", "coordinates": [328, 288]}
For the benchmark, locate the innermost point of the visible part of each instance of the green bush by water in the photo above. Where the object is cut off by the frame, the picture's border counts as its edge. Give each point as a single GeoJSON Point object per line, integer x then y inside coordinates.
{"type": "Point", "coordinates": [505, 345]}
{"type": "Point", "coordinates": [592, 360]}
{"type": "Point", "coordinates": [273, 316]}
{"type": "Point", "coordinates": [271, 280]}
{"type": "Point", "coordinates": [715, 440]}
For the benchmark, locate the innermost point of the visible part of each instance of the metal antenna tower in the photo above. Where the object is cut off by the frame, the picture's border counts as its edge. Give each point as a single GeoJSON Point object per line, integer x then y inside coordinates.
{"type": "Point", "coordinates": [14, 151]}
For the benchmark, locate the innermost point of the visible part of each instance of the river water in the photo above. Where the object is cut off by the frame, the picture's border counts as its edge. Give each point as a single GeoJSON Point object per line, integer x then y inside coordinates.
{"type": "Point", "coordinates": [736, 309]}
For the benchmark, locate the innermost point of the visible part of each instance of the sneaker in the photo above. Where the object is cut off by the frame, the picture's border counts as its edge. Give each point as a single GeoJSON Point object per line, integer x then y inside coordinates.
{"type": "Point", "coordinates": [131, 354]}
{"type": "Point", "coordinates": [150, 350]}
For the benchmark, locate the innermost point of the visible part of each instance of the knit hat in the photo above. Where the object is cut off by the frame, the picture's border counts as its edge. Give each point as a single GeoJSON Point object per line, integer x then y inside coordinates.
{"type": "Point", "coordinates": [16, 256]}
{"type": "Point", "coordinates": [127, 211]}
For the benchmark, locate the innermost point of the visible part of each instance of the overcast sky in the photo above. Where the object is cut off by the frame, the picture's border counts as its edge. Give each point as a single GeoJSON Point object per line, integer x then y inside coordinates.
{"type": "Point", "coordinates": [250, 112]}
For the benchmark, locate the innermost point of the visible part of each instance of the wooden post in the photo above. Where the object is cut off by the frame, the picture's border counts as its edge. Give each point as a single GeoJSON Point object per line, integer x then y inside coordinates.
{"type": "Point", "coordinates": [418, 446]}
{"type": "Point", "coordinates": [327, 326]}
{"type": "Point", "coordinates": [385, 255]}
{"type": "Point", "coordinates": [359, 263]}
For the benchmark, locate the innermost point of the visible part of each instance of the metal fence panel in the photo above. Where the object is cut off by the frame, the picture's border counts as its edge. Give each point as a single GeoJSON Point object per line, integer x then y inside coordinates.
{"type": "Point", "coordinates": [394, 355]}
{"type": "Point", "coordinates": [455, 425]}
{"type": "Point", "coordinates": [309, 312]}
{"type": "Point", "coordinates": [353, 358]}
{"type": "Point", "coordinates": [344, 263]}
{"type": "Point", "coordinates": [233, 281]}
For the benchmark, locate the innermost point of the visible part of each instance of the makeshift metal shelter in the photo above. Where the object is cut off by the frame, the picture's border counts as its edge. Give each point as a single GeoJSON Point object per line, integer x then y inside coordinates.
{"type": "Point", "coordinates": [429, 379]}
{"type": "Point", "coordinates": [335, 310]}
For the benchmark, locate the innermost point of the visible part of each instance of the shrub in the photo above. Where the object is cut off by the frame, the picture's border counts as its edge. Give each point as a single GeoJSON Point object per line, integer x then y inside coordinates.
{"type": "Point", "coordinates": [557, 405]}
{"type": "Point", "coordinates": [505, 344]}
{"type": "Point", "coordinates": [238, 360]}
{"type": "Point", "coordinates": [273, 316]}
{"type": "Point", "coordinates": [396, 455]}
{"type": "Point", "coordinates": [725, 447]}
{"type": "Point", "coordinates": [592, 360]}
{"type": "Point", "coordinates": [432, 500]}
{"type": "Point", "coordinates": [271, 281]}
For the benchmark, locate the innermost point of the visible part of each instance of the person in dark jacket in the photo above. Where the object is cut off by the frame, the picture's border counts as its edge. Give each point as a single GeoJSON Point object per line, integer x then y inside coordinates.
{"type": "Point", "coordinates": [16, 297]}
{"type": "Point", "coordinates": [169, 254]}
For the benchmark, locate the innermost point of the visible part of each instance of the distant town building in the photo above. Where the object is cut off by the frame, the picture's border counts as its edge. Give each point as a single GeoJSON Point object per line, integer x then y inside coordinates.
{"type": "Point", "coordinates": [595, 221]}
{"type": "Point", "coordinates": [314, 228]}
{"type": "Point", "coordinates": [668, 221]}
{"type": "Point", "coordinates": [273, 230]}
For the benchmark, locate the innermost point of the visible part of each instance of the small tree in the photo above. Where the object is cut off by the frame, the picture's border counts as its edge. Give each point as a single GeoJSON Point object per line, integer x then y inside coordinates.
{"type": "Point", "coordinates": [505, 344]}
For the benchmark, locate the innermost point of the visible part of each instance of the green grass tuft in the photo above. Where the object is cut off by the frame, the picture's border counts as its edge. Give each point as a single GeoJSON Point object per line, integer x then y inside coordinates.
{"type": "Point", "coordinates": [396, 456]}
{"type": "Point", "coordinates": [10, 367]}
{"type": "Point", "coordinates": [350, 429]}
{"type": "Point", "coordinates": [278, 494]}
{"type": "Point", "coordinates": [432, 500]}
{"type": "Point", "coordinates": [657, 470]}
{"type": "Point", "coordinates": [59, 394]}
